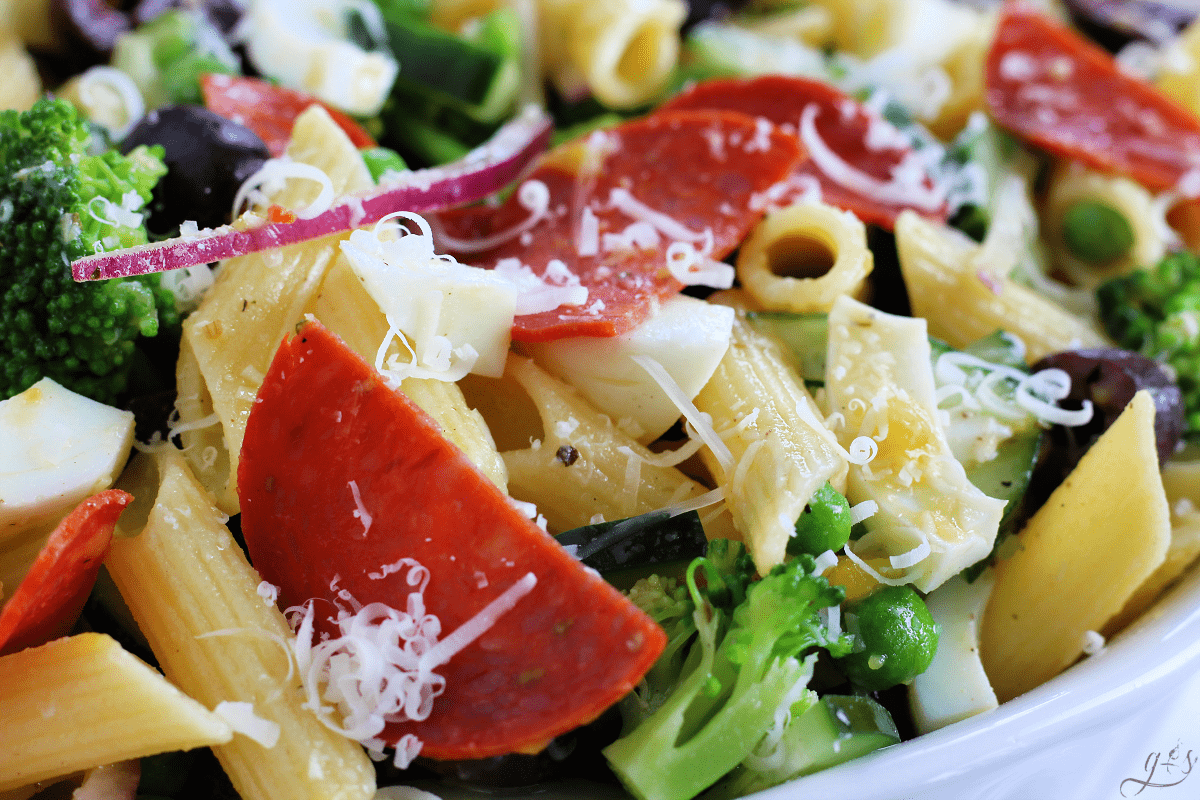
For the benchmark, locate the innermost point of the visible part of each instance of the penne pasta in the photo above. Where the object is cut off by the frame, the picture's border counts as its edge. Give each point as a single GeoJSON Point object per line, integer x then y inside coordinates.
{"type": "Point", "coordinates": [1078, 546]}
{"type": "Point", "coordinates": [585, 468]}
{"type": "Point", "coordinates": [256, 301]}
{"type": "Point", "coordinates": [220, 640]}
{"type": "Point", "coordinates": [623, 51]}
{"type": "Point", "coordinates": [780, 451]}
{"type": "Point", "coordinates": [880, 382]}
{"type": "Point", "coordinates": [961, 306]}
{"type": "Point", "coordinates": [21, 86]}
{"type": "Point", "coordinates": [345, 307]}
{"type": "Point", "coordinates": [1072, 184]}
{"type": "Point", "coordinates": [82, 701]}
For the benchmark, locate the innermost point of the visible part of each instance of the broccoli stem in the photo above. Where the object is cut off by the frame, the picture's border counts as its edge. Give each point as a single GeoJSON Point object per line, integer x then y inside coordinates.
{"type": "Point", "coordinates": [653, 765]}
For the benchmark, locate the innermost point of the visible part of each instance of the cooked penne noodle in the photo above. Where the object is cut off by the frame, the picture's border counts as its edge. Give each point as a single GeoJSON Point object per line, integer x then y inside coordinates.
{"type": "Point", "coordinates": [220, 640]}
{"type": "Point", "coordinates": [803, 257]}
{"type": "Point", "coordinates": [83, 701]}
{"type": "Point", "coordinates": [1078, 545]}
{"type": "Point", "coordinates": [809, 24]}
{"type": "Point", "coordinates": [584, 467]}
{"type": "Point", "coordinates": [781, 452]}
{"type": "Point", "coordinates": [880, 382]}
{"type": "Point", "coordinates": [21, 86]}
{"type": "Point", "coordinates": [622, 51]}
{"type": "Point", "coordinates": [1181, 482]}
{"type": "Point", "coordinates": [961, 305]}
{"type": "Point", "coordinates": [257, 301]}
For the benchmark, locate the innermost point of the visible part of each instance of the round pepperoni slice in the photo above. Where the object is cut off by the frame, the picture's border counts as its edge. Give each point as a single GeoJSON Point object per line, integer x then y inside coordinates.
{"type": "Point", "coordinates": [1063, 94]}
{"type": "Point", "coordinates": [857, 160]}
{"type": "Point", "coordinates": [684, 185]}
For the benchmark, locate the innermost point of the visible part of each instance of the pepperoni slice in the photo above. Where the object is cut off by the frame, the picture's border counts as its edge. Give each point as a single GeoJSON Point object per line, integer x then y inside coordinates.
{"type": "Point", "coordinates": [269, 110]}
{"type": "Point", "coordinates": [875, 163]}
{"type": "Point", "coordinates": [53, 592]}
{"type": "Point", "coordinates": [1063, 94]}
{"type": "Point", "coordinates": [326, 439]}
{"type": "Point", "coordinates": [699, 172]}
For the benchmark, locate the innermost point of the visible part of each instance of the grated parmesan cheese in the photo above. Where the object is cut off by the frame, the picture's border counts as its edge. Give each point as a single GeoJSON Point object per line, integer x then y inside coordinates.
{"type": "Point", "coordinates": [380, 668]}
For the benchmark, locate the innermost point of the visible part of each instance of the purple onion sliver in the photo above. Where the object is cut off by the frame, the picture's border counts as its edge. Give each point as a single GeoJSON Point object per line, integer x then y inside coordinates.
{"type": "Point", "coordinates": [480, 173]}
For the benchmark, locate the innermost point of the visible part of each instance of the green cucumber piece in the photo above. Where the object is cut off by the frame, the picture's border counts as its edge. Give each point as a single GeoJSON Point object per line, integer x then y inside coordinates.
{"type": "Point", "coordinates": [468, 75]}
{"type": "Point", "coordinates": [833, 730]}
{"type": "Point", "coordinates": [806, 337]}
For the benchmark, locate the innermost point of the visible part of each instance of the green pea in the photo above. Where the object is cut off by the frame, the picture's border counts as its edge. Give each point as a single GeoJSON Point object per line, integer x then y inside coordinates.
{"type": "Point", "coordinates": [823, 525]}
{"type": "Point", "coordinates": [899, 638]}
{"type": "Point", "coordinates": [1096, 232]}
{"type": "Point", "coordinates": [381, 159]}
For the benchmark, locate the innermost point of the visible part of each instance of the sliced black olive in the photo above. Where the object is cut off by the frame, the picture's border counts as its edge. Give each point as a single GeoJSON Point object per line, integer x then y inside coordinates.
{"type": "Point", "coordinates": [208, 158]}
{"type": "Point", "coordinates": [1109, 377]}
{"type": "Point", "coordinates": [91, 25]}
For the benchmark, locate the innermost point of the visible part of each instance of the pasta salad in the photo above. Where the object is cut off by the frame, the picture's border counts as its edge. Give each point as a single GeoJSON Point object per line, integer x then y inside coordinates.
{"type": "Point", "coordinates": [688, 398]}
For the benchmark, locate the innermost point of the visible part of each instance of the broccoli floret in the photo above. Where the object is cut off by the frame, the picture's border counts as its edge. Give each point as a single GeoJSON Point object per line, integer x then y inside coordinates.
{"type": "Point", "coordinates": [1156, 312]}
{"type": "Point", "coordinates": [59, 202]}
{"type": "Point", "coordinates": [748, 666]}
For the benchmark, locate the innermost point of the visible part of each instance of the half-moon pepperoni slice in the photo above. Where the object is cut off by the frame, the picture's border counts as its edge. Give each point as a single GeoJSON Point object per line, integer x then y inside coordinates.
{"type": "Point", "coordinates": [351, 496]}
{"type": "Point", "coordinates": [858, 160]}
{"type": "Point", "coordinates": [1063, 94]}
{"type": "Point", "coordinates": [684, 185]}
{"type": "Point", "coordinates": [51, 596]}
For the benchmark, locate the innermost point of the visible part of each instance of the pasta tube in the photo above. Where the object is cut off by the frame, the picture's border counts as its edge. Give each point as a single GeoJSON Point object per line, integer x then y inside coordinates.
{"type": "Point", "coordinates": [82, 701]}
{"type": "Point", "coordinates": [230, 339]}
{"type": "Point", "coordinates": [803, 257]}
{"type": "Point", "coordinates": [931, 522]}
{"type": "Point", "coordinates": [21, 86]}
{"type": "Point", "coordinates": [1181, 482]}
{"type": "Point", "coordinates": [1077, 565]}
{"type": "Point", "coordinates": [586, 467]}
{"type": "Point", "coordinates": [961, 306]}
{"type": "Point", "coordinates": [780, 451]}
{"type": "Point", "coordinates": [197, 601]}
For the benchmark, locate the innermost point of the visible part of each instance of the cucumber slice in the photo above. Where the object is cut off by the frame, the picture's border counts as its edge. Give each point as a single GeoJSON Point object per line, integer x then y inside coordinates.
{"type": "Point", "coordinates": [468, 75]}
{"type": "Point", "coordinates": [806, 336]}
{"type": "Point", "coordinates": [834, 729]}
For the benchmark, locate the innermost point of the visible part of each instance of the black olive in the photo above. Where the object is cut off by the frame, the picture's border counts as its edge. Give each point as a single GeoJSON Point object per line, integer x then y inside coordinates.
{"type": "Point", "coordinates": [223, 14]}
{"type": "Point", "coordinates": [1115, 23]}
{"type": "Point", "coordinates": [1109, 377]}
{"type": "Point", "coordinates": [574, 755]}
{"type": "Point", "coordinates": [208, 158]}
{"type": "Point", "coordinates": [92, 26]}
{"type": "Point", "coordinates": [717, 10]}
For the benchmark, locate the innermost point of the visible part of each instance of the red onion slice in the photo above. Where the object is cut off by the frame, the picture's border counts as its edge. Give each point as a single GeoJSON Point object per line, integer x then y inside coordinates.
{"type": "Point", "coordinates": [480, 173]}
